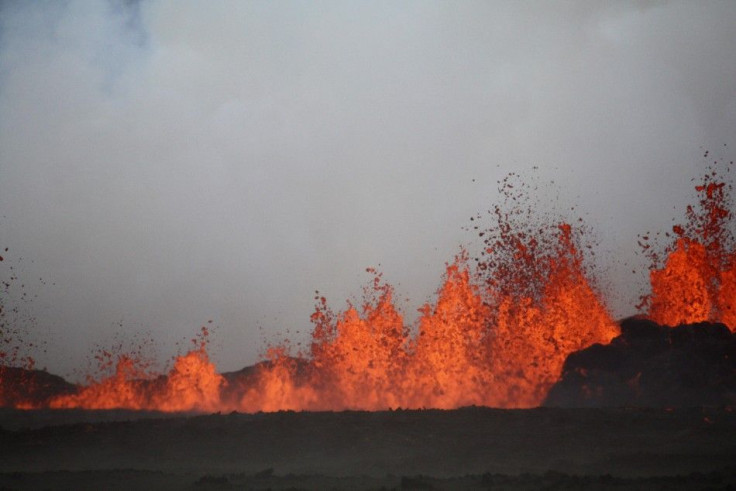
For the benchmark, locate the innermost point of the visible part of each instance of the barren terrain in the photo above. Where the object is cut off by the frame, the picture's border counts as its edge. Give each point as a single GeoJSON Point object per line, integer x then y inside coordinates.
{"type": "Point", "coordinates": [471, 448]}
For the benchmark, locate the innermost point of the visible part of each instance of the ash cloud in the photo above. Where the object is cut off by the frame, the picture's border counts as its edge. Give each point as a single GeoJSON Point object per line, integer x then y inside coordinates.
{"type": "Point", "coordinates": [168, 163]}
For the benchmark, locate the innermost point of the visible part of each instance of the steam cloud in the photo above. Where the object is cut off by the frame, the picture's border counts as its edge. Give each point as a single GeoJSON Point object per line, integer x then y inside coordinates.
{"type": "Point", "coordinates": [167, 163]}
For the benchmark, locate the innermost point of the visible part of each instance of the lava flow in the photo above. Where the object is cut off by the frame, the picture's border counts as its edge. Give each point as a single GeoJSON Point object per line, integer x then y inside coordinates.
{"type": "Point", "coordinates": [497, 335]}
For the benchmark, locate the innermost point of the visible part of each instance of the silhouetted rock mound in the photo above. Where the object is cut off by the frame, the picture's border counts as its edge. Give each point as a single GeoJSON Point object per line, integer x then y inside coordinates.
{"type": "Point", "coordinates": [20, 387]}
{"type": "Point", "coordinates": [649, 365]}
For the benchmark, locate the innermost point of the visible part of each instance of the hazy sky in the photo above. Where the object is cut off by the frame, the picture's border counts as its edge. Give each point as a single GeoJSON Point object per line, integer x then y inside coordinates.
{"type": "Point", "coordinates": [166, 163]}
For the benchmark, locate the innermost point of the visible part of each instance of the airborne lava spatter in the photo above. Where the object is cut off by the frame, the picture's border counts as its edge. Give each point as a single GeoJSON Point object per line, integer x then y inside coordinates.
{"type": "Point", "coordinates": [497, 335]}
{"type": "Point", "coordinates": [191, 385]}
{"type": "Point", "coordinates": [696, 282]}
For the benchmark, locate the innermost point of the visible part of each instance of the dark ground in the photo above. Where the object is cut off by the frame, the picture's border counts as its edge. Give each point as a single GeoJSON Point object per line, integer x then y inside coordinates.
{"type": "Point", "coordinates": [650, 365]}
{"type": "Point", "coordinates": [472, 448]}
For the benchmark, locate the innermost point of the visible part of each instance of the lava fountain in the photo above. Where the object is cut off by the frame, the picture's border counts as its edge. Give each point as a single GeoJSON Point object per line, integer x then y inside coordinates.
{"type": "Point", "coordinates": [497, 334]}
{"type": "Point", "coordinates": [696, 281]}
{"type": "Point", "coordinates": [192, 384]}
{"type": "Point", "coordinates": [502, 325]}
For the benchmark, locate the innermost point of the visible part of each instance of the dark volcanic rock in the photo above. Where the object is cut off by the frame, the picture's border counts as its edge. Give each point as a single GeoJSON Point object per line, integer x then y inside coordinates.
{"type": "Point", "coordinates": [22, 387]}
{"type": "Point", "coordinates": [650, 365]}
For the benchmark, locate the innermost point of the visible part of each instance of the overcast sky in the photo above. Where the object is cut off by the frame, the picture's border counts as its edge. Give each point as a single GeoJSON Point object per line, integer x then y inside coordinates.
{"type": "Point", "coordinates": [166, 163]}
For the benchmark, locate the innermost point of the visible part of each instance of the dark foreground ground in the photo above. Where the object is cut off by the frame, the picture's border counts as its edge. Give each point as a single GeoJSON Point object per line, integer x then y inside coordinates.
{"type": "Point", "coordinates": [473, 448]}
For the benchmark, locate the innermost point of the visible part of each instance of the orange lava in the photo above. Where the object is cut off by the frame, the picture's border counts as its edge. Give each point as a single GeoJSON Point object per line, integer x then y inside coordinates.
{"type": "Point", "coordinates": [726, 301]}
{"type": "Point", "coordinates": [497, 335]}
{"type": "Point", "coordinates": [467, 350]}
{"type": "Point", "coordinates": [192, 384]}
{"type": "Point", "coordinates": [697, 281]}
{"type": "Point", "coordinates": [531, 340]}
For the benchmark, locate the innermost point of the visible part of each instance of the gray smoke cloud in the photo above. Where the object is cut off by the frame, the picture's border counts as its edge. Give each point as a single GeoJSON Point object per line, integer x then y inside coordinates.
{"type": "Point", "coordinates": [167, 163]}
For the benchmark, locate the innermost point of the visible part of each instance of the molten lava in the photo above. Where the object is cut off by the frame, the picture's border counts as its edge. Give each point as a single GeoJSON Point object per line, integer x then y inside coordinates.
{"type": "Point", "coordinates": [472, 347]}
{"type": "Point", "coordinates": [191, 385]}
{"type": "Point", "coordinates": [501, 328]}
{"type": "Point", "coordinates": [697, 281]}
{"type": "Point", "coordinates": [497, 336]}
